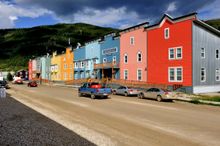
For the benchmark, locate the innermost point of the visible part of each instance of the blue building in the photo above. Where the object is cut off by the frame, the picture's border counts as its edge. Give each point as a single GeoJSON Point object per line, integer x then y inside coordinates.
{"type": "Point", "coordinates": [92, 57]}
{"type": "Point", "coordinates": [79, 63]}
{"type": "Point", "coordinates": [108, 67]}
{"type": "Point", "coordinates": [45, 67]}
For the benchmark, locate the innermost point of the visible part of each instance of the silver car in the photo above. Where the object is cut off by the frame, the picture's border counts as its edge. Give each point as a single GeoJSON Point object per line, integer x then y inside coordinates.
{"type": "Point", "coordinates": [126, 91]}
{"type": "Point", "coordinates": [157, 93]}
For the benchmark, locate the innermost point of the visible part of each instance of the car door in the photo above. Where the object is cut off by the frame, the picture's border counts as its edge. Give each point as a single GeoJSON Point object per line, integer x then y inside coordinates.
{"type": "Point", "coordinates": [83, 88]}
{"type": "Point", "coordinates": [155, 92]}
{"type": "Point", "coordinates": [148, 93]}
{"type": "Point", "coordinates": [120, 90]}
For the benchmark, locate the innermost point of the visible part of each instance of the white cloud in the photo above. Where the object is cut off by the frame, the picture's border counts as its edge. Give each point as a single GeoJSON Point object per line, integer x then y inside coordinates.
{"type": "Point", "coordinates": [171, 7]}
{"type": "Point", "coordinates": [109, 17]}
{"type": "Point", "coordinates": [211, 11]}
{"type": "Point", "coordinates": [9, 13]}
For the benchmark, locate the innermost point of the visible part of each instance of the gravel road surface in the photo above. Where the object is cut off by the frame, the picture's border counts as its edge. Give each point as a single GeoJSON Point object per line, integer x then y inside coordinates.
{"type": "Point", "coordinates": [20, 125]}
{"type": "Point", "coordinates": [124, 121]}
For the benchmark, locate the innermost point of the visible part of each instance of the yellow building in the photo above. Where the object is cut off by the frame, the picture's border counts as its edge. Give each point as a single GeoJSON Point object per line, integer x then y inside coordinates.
{"type": "Point", "coordinates": [55, 68]}
{"type": "Point", "coordinates": [67, 67]}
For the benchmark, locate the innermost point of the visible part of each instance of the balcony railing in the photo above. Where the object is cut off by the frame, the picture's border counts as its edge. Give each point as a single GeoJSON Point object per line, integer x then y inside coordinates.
{"type": "Point", "coordinates": [106, 65]}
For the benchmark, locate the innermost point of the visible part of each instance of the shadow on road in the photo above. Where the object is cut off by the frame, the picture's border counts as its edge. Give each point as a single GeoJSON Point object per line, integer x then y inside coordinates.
{"type": "Point", "coordinates": [20, 125]}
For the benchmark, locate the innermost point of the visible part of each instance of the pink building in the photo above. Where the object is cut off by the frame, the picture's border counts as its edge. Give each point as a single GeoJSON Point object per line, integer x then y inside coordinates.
{"type": "Point", "coordinates": [133, 53]}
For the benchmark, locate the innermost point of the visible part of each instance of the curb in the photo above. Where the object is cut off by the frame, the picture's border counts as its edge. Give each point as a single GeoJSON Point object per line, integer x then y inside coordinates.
{"type": "Point", "coordinates": [200, 101]}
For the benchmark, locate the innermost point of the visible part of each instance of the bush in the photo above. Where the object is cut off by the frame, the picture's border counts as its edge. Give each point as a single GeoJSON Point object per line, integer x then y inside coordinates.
{"type": "Point", "coordinates": [9, 77]}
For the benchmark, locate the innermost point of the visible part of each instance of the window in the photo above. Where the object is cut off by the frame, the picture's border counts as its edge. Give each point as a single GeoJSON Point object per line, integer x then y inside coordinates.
{"type": "Point", "coordinates": [175, 53]}
{"type": "Point", "coordinates": [76, 65]}
{"type": "Point", "coordinates": [132, 40]}
{"type": "Point", "coordinates": [114, 59]}
{"type": "Point", "coordinates": [171, 54]}
{"type": "Point", "coordinates": [178, 53]}
{"type": "Point", "coordinates": [139, 57]}
{"type": "Point", "coordinates": [125, 58]}
{"type": "Point", "coordinates": [139, 74]}
{"type": "Point", "coordinates": [65, 66]}
{"type": "Point", "coordinates": [71, 66]}
{"type": "Point", "coordinates": [217, 74]}
{"type": "Point", "coordinates": [203, 75]}
{"type": "Point", "coordinates": [171, 74]}
{"type": "Point", "coordinates": [125, 74]}
{"type": "Point", "coordinates": [175, 74]}
{"type": "Point", "coordinates": [166, 33]}
{"type": "Point", "coordinates": [104, 60]}
{"type": "Point", "coordinates": [82, 64]}
{"type": "Point", "coordinates": [202, 52]}
{"type": "Point", "coordinates": [217, 54]}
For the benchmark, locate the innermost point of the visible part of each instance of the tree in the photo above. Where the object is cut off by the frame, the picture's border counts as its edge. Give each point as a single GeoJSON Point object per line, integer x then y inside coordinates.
{"type": "Point", "coordinates": [9, 77]}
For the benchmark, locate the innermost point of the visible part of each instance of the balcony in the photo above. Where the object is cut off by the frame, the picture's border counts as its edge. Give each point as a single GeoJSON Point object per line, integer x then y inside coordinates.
{"type": "Point", "coordinates": [106, 65]}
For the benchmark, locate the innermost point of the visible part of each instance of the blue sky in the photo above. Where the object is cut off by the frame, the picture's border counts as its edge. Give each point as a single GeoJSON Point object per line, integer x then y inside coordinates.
{"type": "Point", "coordinates": [108, 13]}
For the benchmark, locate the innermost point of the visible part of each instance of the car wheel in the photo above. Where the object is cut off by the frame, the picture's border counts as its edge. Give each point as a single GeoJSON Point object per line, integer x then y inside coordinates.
{"type": "Point", "coordinates": [141, 95]}
{"type": "Point", "coordinates": [79, 94]}
{"type": "Point", "coordinates": [92, 96]}
{"type": "Point", "coordinates": [126, 94]}
{"type": "Point", "coordinates": [159, 99]}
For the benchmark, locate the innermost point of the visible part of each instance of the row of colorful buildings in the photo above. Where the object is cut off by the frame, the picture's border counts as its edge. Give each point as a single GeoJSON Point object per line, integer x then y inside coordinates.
{"type": "Point", "coordinates": [181, 51]}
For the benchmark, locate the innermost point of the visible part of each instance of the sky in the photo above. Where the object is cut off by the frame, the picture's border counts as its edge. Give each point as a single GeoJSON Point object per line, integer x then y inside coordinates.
{"type": "Point", "coordinates": [108, 13]}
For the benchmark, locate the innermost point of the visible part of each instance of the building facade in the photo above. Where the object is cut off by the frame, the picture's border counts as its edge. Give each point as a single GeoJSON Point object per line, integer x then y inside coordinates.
{"type": "Point", "coordinates": [176, 50]}
{"type": "Point", "coordinates": [92, 56]}
{"type": "Point", "coordinates": [45, 67]}
{"type": "Point", "coordinates": [133, 53]}
{"type": "Point", "coordinates": [30, 69]}
{"type": "Point", "coordinates": [67, 67]}
{"type": "Point", "coordinates": [79, 59]}
{"type": "Point", "coordinates": [55, 67]}
{"type": "Point", "coordinates": [109, 57]}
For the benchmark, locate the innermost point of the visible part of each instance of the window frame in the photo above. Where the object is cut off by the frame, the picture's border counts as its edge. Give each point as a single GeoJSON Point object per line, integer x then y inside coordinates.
{"type": "Point", "coordinates": [176, 52]}
{"type": "Point", "coordinates": [138, 74]}
{"type": "Point", "coordinates": [104, 60]}
{"type": "Point", "coordinates": [131, 40]}
{"type": "Point", "coordinates": [202, 52]}
{"type": "Point", "coordinates": [175, 69]}
{"type": "Point", "coordinates": [217, 54]}
{"type": "Point", "coordinates": [217, 74]}
{"type": "Point", "coordinates": [201, 74]}
{"type": "Point", "coordinates": [167, 33]}
{"type": "Point", "coordinates": [125, 72]}
{"type": "Point", "coordinates": [139, 53]}
{"type": "Point", "coordinates": [126, 55]}
{"type": "Point", "coordinates": [170, 53]}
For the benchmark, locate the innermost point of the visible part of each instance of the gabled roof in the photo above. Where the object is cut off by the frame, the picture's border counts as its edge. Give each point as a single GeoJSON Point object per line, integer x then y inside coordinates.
{"type": "Point", "coordinates": [206, 26]}
{"type": "Point", "coordinates": [134, 27]}
{"type": "Point", "coordinates": [171, 19]}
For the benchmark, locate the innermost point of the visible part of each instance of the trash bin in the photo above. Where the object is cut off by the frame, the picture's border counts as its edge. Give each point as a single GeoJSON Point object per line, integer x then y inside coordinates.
{"type": "Point", "coordinates": [2, 92]}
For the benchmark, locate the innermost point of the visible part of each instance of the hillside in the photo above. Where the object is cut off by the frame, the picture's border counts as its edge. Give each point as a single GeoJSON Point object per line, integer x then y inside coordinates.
{"type": "Point", "coordinates": [215, 23]}
{"type": "Point", "coordinates": [18, 45]}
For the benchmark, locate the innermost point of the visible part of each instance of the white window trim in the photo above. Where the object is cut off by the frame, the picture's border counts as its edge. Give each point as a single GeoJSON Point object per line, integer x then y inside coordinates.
{"type": "Point", "coordinates": [141, 74]}
{"type": "Point", "coordinates": [175, 74]}
{"type": "Point", "coordinates": [178, 58]}
{"type": "Point", "coordinates": [124, 74]}
{"type": "Point", "coordinates": [167, 37]}
{"type": "Point", "coordinates": [218, 74]}
{"type": "Point", "coordinates": [201, 53]}
{"type": "Point", "coordinates": [201, 74]}
{"type": "Point", "coordinates": [105, 60]}
{"type": "Point", "coordinates": [218, 54]}
{"type": "Point", "coordinates": [133, 40]}
{"type": "Point", "coordinates": [114, 59]}
{"type": "Point", "coordinates": [138, 56]}
{"type": "Point", "coordinates": [124, 58]}
{"type": "Point", "coordinates": [173, 53]}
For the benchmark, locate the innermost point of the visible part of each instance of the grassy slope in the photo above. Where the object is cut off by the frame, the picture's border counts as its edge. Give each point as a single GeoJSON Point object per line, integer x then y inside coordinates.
{"type": "Point", "coordinates": [18, 45]}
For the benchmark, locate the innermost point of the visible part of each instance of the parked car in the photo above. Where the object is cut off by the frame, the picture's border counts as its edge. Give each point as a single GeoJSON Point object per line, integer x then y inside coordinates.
{"type": "Point", "coordinates": [94, 90]}
{"type": "Point", "coordinates": [157, 93]}
{"type": "Point", "coordinates": [18, 81]}
{"type": "Point", "coordinates": [32, 84]}
{"type": "Point", "coordinates": [126, 91]}
{"type": "Point", "coordinates": [4, 84]}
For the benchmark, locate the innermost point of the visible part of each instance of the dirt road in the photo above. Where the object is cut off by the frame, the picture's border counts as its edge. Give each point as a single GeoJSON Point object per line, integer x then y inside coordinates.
{"type": "Point", "coordinates": [125, 120]}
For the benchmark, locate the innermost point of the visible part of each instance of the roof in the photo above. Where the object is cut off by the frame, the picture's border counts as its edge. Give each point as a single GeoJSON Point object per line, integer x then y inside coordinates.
{"type": "Point", "coordinates": [208, 27]}
{"type": "Point", "coordinates": [133, 27]}
{"type": "Point", "coordinates": [171, 19]}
